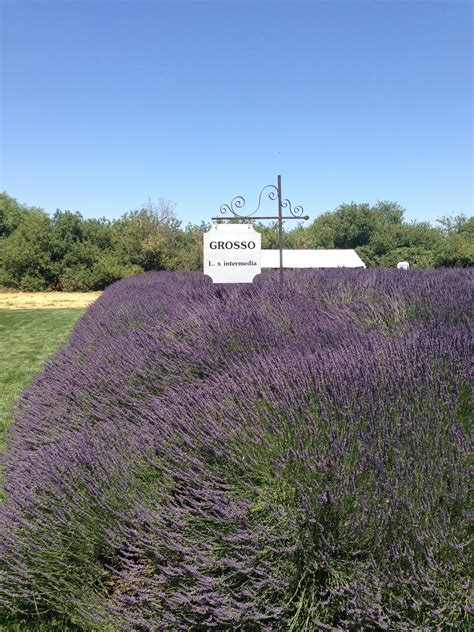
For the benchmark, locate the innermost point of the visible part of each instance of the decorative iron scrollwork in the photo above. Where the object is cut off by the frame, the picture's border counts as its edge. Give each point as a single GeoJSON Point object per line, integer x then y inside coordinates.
{"type": "Point", "coordinates": [239, 202]}
{"type": "Point", "coordinates": [297, 211]}
{"type": "Point", "coordinates": [271, 192]}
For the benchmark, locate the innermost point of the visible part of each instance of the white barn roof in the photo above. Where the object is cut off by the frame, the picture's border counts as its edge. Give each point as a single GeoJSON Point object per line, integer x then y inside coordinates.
{"type": "Point", "coordinates": [312, 259]}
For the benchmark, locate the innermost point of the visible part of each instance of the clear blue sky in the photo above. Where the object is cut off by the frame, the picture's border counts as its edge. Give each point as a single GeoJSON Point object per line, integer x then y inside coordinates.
{"type": "Point", "coordinates": [106, 104]}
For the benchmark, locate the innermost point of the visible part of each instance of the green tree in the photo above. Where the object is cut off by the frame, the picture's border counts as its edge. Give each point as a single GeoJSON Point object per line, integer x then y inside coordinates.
{"type": "Point", "coordinates": [139, 234]}
{"type": "Point", "coordinates": [12, 213]}
{"type": "Point", "coordinates": [457, 225]}
{"type": "Point", "coordinates": [69, 252]}
{"type": "Point", "coordinates": [371, 230]}
{"type": "Point", "coordinates": [457, 249]}
{"type": "Point", "coordinates": [26, 255]}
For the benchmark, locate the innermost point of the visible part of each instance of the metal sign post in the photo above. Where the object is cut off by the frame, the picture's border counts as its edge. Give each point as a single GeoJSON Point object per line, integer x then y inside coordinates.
{"type": "Point", "coordinates": [272, 192]}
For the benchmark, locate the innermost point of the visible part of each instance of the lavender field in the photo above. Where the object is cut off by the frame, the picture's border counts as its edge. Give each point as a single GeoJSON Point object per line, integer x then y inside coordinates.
{"type": "Point", "coordinates": [201, 457]}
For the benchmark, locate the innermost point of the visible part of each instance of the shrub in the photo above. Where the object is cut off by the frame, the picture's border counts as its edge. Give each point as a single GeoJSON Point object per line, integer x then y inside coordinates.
{"type": "Point", "coordinates": [26, 257]}
{"type": "Point", "coordinates": [212, 457]}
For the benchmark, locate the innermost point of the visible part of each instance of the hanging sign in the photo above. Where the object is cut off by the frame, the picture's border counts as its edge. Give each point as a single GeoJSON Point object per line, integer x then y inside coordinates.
{"type": "Point", "coordinates": [232, 253]}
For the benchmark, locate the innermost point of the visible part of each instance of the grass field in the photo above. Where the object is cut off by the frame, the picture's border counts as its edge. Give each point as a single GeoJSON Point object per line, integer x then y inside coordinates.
{"type": "Point", "coordinates": [13, 300]}
{"type": "Point", "coordinates": [27, 339]}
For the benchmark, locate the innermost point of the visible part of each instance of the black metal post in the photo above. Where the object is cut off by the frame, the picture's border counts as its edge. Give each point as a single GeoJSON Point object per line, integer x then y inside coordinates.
{"type": "Point", "coordinates": [231, 211]}
{"type": "Point", "coordinates": [280, 233]}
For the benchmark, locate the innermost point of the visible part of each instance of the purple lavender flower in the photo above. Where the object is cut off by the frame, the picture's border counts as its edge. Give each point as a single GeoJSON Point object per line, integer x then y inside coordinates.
{"type": "Point", "coordinates": [195, 459]}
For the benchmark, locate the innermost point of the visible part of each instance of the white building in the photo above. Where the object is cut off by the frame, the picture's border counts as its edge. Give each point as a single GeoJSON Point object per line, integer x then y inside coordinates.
{"type": "Point", "coordinates": [312, 259]}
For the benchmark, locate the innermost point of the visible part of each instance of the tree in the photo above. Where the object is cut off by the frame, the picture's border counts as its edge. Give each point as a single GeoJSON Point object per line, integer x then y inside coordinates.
{"type": "Point", "coordinates": [457, 224]}
{"type": "Point", "coordinates": [355, 225]}
{"type": "Point", "coordinates": [135, 233]}
{"type": "Point", "coordinates": [27, 263]}
{"type": "Point", "coordinates": [68, 252]}
{"type": "Point", "coordinates": [12, 214]}
{"type": "Point", "coordinates": [457, 249]}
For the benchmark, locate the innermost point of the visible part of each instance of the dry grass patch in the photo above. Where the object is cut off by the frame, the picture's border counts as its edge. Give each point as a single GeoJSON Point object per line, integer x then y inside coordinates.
{"type": "Point", "coordinates": [46, 300]}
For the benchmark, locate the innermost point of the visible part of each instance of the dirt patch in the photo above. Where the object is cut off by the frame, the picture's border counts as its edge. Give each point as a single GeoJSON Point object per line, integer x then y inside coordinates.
{"type": "Point", "coordinates": [46, 300]}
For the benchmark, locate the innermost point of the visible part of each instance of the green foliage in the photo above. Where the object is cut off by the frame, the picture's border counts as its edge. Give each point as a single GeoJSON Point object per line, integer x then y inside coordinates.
{"type": "Point", "coordinates": [68, 252]}
{"type": "Point", "coordinates": [417, 256]}
{"type": "Point", "coordinates": [382, 238]}
{"type": "Point", "coordinates": [26, 254]}
{"type": "Point", "coordinates": [109, 268]}
{"type": "Point", "coordinates": [458, 224]}
{"type": "Point", "coordinates": [141, 236]}
{"type": "Point", "coordinates": [354, 225]}
{"type": "Point", "coordinates": [457, 249]}
{"type": "Point", "coordinates": [12, 214]}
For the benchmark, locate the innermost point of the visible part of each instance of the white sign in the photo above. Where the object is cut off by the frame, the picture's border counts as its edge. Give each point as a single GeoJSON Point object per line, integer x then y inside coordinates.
{"type": "Point", "coordinates": [232, 253]}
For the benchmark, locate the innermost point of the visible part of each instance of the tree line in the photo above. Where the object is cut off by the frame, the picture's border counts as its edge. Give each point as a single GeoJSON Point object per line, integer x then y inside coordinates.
{"type": "Point", "coordinates": [68, 252]}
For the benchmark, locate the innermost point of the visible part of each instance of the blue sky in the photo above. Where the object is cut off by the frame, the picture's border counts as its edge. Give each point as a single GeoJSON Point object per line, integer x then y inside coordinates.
{"type": "Point", "coordinates": [108, 104]}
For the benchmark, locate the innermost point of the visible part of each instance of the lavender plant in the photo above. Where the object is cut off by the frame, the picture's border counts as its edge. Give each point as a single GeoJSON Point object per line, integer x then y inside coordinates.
{"type": "Point", "coordinates": [202, 457]}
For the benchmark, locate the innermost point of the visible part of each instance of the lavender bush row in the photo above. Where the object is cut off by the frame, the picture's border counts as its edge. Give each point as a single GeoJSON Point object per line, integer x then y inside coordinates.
{"type": "Point", "coordinates": [216, 458]}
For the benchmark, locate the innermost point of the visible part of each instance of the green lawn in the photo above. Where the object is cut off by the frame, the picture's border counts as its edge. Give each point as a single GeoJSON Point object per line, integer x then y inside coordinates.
{"type": "Point", "coordinates": [27, 339]}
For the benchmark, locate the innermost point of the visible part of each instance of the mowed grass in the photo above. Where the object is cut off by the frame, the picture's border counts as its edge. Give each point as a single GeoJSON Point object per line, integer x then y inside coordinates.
{"type": "Point", "coordinates": [27, 339]}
